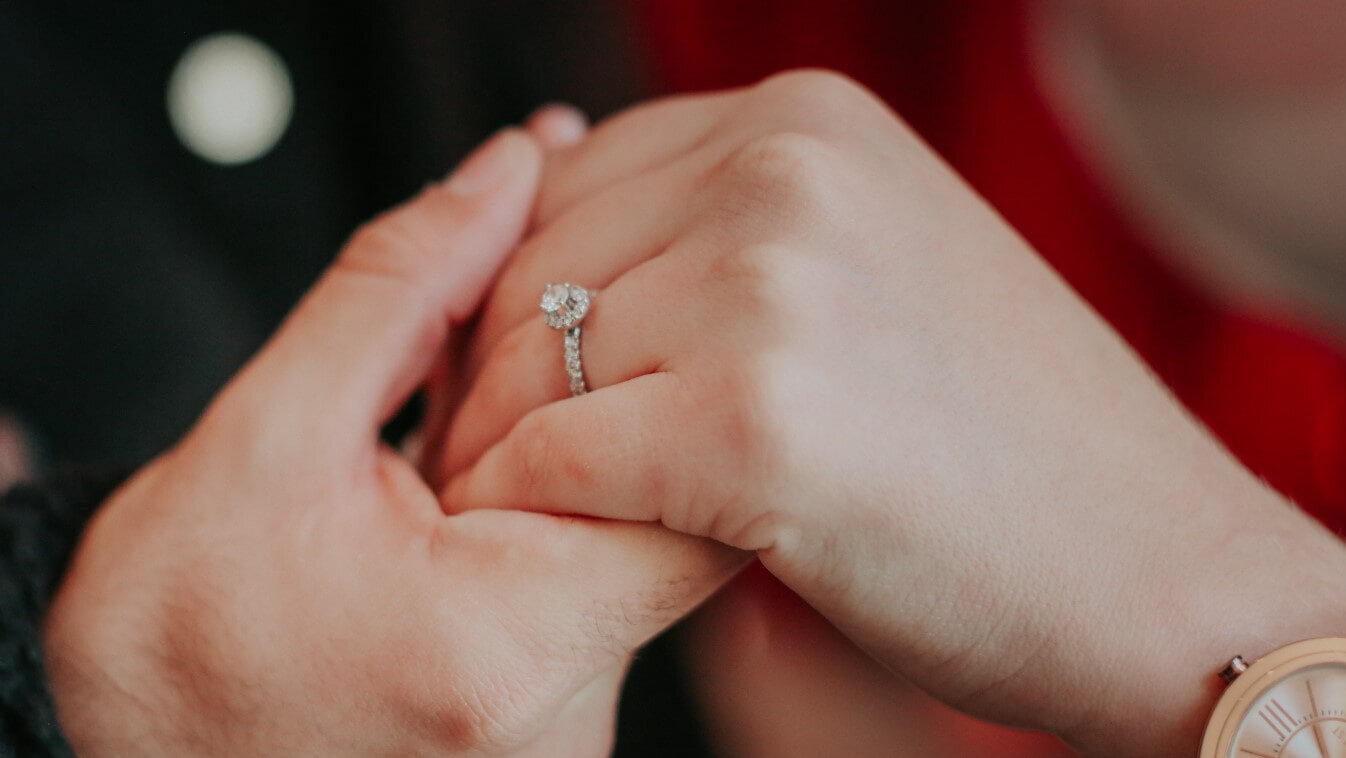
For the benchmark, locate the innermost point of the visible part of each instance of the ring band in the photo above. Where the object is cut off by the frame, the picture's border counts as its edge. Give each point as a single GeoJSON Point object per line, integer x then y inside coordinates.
{"type": "Point", "coordinates": [564, 306]}
{"type": "Point", "coordinates": [573, 369]}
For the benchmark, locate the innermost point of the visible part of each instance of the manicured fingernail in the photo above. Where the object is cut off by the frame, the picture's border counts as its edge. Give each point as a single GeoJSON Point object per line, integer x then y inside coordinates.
{"type": "Point", "coordinates": [490, 165]}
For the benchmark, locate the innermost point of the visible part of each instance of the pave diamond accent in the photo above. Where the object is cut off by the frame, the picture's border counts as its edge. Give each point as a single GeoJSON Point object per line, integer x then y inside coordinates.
{"type": "Point", "coordinates": [572, 356]}
{"type": "Point", "coordinates": [565, 305]}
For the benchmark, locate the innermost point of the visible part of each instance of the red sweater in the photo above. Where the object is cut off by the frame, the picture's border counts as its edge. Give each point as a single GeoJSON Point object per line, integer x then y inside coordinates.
{"type": "Point", "coordinates": [959, 72]}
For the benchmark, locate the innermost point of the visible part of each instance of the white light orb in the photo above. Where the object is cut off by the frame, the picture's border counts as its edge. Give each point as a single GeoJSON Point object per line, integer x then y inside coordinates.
{"type": "Point", "coordinates": [229, 98]}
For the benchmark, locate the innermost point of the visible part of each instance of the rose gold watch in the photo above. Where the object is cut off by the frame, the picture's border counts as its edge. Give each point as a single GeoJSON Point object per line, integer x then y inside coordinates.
{"type": "Point", "coordinates": [1289, 704]}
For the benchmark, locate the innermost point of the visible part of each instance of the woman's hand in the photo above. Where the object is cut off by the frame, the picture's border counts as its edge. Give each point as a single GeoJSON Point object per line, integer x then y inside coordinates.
{"type": "Point", "coordinates": [281, 584]}
{"type": "Point", "coordinates": [814, 342]}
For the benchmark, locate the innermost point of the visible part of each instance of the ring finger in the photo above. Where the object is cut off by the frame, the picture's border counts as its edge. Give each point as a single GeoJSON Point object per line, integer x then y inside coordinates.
{"type": "Point", "coordinates": [630, 330]}
{"type": "Point", "coordinates": [592, 244]}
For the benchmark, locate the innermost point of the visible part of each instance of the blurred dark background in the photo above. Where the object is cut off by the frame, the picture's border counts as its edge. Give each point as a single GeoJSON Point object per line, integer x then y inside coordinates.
{"type": "Point", "coordinates": [138, 275]}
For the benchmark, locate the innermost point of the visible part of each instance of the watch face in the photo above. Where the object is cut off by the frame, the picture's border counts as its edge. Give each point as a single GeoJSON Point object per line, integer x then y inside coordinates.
{"type": "Point", "coordinates": [1302, 715]}
{"type": "Point", "coordinates": [1291, 703]}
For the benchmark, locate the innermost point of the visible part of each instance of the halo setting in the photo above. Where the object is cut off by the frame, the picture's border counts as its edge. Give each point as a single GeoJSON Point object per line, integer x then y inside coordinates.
{"type": "Point", "coordinates": [565, 305]}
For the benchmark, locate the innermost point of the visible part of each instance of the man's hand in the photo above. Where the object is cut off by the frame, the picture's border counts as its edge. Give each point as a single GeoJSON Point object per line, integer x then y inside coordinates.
{"type": "Point", "coordinates": [279, 583]}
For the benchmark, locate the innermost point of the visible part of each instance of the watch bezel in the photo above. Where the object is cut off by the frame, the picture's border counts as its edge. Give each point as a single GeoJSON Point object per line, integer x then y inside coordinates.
{"type": "Point", "coordinates": [1261, 676]}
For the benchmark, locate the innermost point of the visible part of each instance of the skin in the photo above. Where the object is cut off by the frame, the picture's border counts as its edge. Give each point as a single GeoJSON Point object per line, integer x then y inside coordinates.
{"type": "Point", "coordinates": [776, 679]}
{"type": "Point", "coordinates": [280, 583]}
{"type": "Point", "coordinates": [983, 498]}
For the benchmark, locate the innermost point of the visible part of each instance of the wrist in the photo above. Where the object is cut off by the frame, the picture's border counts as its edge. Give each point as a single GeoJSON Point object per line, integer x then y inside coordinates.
{"type": "Point", "coordinates": [1274, 578]}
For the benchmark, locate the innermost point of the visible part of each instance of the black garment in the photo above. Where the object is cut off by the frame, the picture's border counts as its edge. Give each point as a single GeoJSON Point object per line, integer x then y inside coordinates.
{"type": "Point", "coordinates": [135, 278]}
{"type": "Point", "coordinates": [39, 527]}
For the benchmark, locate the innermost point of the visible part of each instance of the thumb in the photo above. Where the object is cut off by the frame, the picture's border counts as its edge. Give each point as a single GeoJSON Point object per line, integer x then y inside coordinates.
{"type": "Point", "coordinates": [365, 335]}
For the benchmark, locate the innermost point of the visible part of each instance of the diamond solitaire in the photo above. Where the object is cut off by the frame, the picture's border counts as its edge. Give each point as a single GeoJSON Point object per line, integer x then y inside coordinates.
{"type": "Point", "coordinates": [564, 305]}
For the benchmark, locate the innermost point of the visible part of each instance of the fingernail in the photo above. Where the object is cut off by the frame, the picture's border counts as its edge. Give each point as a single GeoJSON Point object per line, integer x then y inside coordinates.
{"type": "Point", "coordinates": [558, 125]}
{"type": "Point", "coordinates": [489, 165]}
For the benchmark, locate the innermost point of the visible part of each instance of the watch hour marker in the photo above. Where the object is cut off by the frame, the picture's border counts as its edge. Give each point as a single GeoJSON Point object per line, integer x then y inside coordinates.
{"type": "Point", "coordinates": [1279, 734]}
{"type": "Point", "coordinates": [1279, 719]}
{"type": "Point", "coordinates": [1317, 728]}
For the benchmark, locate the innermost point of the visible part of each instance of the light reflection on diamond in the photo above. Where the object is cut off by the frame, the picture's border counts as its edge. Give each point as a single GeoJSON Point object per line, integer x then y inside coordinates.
{"type": "Point", "coordinates": [564, 305]}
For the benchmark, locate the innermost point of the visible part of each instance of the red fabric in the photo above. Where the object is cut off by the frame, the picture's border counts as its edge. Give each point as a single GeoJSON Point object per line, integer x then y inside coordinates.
{"type": "Point", "coordinates": [959, 72]}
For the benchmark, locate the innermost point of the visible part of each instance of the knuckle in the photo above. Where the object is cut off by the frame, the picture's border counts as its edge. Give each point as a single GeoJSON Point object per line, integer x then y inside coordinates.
{"type": "Point", "coordinates": [826, 104]}
{"type": "Point", "coordinates": [782, 177]}
{"type": "Point", "coordinates": [779, 159]}
{"type": "Point", "coordinates": [768, 281]}
{"type": "Point", "coordinates": [816, 88]}
{"type": "Point", "coordinates": [404, 241]}
{"type": "Point", "coordinates": [746, 270]}
{"type": "Point", "coordinates": [383, 248]}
